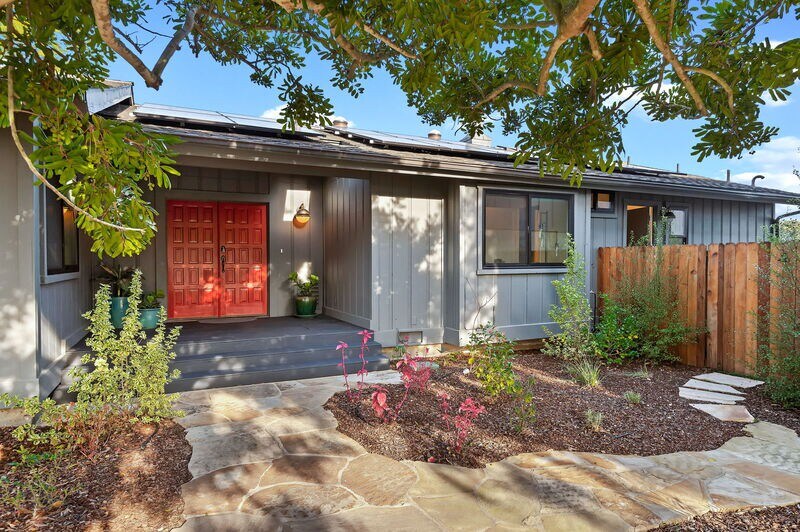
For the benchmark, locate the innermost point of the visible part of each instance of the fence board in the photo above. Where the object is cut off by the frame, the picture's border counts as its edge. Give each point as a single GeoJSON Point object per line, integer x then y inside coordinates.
{"type": "Point", "coordinates": [719, 287]}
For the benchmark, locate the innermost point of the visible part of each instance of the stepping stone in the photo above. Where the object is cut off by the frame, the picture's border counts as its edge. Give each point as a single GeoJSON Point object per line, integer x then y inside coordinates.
{"type": "Point", "coordinates": [710, 386]}
{"type": "Point", "coordinates": [731, 380]}
{"type": "Point", "coordinates": [709, 397]}
{"type": "Point", "coordinates": [737, 413]}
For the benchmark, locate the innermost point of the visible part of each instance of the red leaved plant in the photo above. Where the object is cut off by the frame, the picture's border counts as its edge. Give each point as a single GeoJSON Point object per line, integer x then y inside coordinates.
{"type": "Point", "coordinates": [362, 373]}
{"type": "Point", "coordinates": [462, 422]}
{"type": "Point", "coordinates": [415, 376]}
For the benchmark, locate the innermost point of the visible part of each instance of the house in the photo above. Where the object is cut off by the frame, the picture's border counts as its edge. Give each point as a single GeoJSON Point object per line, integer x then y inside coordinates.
{"type": "Point", "coordinates": [413, 237]}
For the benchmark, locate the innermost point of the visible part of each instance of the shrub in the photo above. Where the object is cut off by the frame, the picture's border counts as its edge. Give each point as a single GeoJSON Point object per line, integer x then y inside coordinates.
{"type": "Point", "coordinates": [124, 383]}
{"type": "Point", "coordinates": [524, 413]}
{"type": "Point", "coordinates": [415, 375]}
{"type": "Point", "coordinates": [491, 356]}
{"type": "Point", "coordinates": [362, 373]}
{"type": "Point", "coordinates": [574, 340]}
{"type": "Point", "coordinates": [594, 420]}
{"type": "Point", "coordinates": [642, 317]}
{"type": "Point", "coordinates": [633, 398]}
{"type": "Point", "coordinates": [586, 372]}
{"type": "Point", "coordinates": [462, 422]}
{"type": "Point", "coordinates": [778, 331]}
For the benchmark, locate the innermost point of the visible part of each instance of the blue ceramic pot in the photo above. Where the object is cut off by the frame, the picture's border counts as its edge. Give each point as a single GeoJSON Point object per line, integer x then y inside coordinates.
{"type": "Point", "coordinates": [119, 306]}
{"type": "Point", "coordinates": [148, 317]}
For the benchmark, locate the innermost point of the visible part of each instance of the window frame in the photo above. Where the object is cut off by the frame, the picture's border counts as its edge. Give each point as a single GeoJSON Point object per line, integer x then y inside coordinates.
{"type": "Point", "coordinates": [613, 201]}
{"type": "Point", "coordinates": [65, 274]}
{"type": "Point", "coordinates": [526, 266]}
{"type": "Point", "coordinates": [685, 235]}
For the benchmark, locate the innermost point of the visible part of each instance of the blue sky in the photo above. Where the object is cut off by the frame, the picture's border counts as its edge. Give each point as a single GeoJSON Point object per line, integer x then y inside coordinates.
{"type": "Point", "coordinates": [202, 83]}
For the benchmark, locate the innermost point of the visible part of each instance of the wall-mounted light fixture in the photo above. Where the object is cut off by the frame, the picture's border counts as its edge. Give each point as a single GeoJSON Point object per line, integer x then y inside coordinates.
{"type": "Point", "coordinates": [302, 216]}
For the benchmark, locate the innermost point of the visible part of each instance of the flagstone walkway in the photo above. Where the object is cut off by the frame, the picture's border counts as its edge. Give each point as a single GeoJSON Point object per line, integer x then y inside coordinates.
{"type": "Point", "coordinates": [268, 457]}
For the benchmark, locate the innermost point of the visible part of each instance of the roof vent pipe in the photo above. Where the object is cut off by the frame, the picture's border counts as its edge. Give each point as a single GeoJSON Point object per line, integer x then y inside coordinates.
{"type": "Point", "coordinates": [435, 134]}
{"type": "Point", "coordinates": [753, 181]}
{"type": "Point", "coordinates": [340, 122]}
{"type": "Point", "coordinates": [728, 176]}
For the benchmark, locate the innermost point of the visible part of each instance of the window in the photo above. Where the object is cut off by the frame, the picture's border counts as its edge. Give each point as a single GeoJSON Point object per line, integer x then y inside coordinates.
{"type": "Point", "coordinates": [61, 236]}
{"type": "Point", "coordinates": [639, 221]}
{"type": "Point", "coordinates": [602, 201]}
{"type": "Point", "coordinates": [678, 227]}
{"type": "Point", "coordinates": [521, 229]}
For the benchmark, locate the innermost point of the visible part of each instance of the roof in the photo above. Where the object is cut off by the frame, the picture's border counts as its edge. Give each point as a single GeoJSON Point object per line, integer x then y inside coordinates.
{"type": "Point", "coordinates": [428, 156]}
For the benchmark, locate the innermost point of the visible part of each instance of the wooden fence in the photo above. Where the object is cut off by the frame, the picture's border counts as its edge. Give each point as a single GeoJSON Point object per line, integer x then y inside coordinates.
{"type": "Point", "coordinates": [720, 288]}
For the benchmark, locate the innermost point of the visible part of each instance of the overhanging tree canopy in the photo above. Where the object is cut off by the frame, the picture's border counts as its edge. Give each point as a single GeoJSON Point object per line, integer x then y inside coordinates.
{"type": "Point", "coordinates": [562, 74]}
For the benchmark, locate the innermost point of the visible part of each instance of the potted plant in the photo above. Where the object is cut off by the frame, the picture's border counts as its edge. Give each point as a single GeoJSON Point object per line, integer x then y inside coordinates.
{"type": "Point", "coordinates": [119, 279]}
{"type": "Point", "coordinates": [305, 301]}
{"type": "Point", "coordinates": [149, 309]}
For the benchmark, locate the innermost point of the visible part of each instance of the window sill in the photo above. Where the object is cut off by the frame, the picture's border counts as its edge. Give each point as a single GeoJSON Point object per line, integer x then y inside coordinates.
{"type": "Point", "coordinates": [521, 271]}
{"type": "Point", "coordinates": [60, 277]}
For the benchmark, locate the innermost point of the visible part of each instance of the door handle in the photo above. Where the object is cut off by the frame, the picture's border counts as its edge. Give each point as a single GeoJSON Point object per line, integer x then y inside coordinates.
{"type": "Point", "coordinates": [222, 252]}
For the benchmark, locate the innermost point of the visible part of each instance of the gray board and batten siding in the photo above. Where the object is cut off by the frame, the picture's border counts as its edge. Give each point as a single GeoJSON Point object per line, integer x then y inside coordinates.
{"type": "Point", "coordinates": [710, 221]}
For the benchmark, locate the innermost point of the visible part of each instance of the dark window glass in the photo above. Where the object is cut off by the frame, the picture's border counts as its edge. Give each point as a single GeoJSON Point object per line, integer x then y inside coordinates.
{"type": "Point", "coordinates": [61, 234]}
{"type": "Point", "coordinates": [506, 228]}
{"type": "Point", "coordinates": [522, 229]}
{"type": "Point", "coordinates": [603, 201]}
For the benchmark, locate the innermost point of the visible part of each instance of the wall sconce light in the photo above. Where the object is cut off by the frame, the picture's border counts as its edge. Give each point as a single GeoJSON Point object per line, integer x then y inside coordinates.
{"type": "Point", "coordinates": [302, 216]}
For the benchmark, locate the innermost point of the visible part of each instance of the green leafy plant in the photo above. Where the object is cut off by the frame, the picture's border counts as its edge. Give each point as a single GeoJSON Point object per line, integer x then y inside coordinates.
{"type": "Point", "coordinates": [304, 288]}
{"type": "Point", "coordinates": [124, 383]}
{"type": "Point", "coordinates": [632, 397]}
{"type": "Point", "coordinates": [33, 486]}
{"type": "Point", "coordinates": [586, 372]}
{"type": "Point", "coordinates": [524, 413]}
{"type": "Point", "coordinates": [118, 278]}
{"type": "Point", "coordinates": [642, 318]}
{"type": "Point", "coordinates": [573, 341]}
{"type": "Point", "coordinates": [152, 300]}
{"type": "Point", "coordinates": [594, 420]}
{"type": "Point", "coordinates": [778, 331]}
{"type": "Point", "coordinates": [491, 355]}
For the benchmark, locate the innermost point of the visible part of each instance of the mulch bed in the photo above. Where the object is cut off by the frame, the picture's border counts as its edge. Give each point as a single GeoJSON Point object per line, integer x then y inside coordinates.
{"type": "Point", "coordinates": [662, 423]}
{"type": "Point", "coordinates": [133, 483]}
{"type": "Point", "coordinates": [778, 518]}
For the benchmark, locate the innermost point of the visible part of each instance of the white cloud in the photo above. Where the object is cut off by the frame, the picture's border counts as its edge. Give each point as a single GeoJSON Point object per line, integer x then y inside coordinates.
{"type": "Point", "coordinates": [769, 102]}
{"type": "Point", "coordinates": [621, 96]}
{"type": "Point", "coordinates": [274, 113]}
{"type": "Point", "coordinates": [776, 161]}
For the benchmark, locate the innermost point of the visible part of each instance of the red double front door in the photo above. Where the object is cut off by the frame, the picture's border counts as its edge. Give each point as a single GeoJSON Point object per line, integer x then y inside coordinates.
{"type": "Point", "coordinates": [216, 259]}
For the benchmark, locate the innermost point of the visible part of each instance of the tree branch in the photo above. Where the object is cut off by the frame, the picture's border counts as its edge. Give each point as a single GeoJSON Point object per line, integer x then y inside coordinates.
{"type": "Point", "coordinates": [649, 21]}
{"type": "Point", "coordinates": [571, 25]}
{"type": "Point", "coordinates": [594, 44]}
{"type": "Point", "coordinates": [720, 81]}
{"type": "Point", "coordinates": [152, 78]}
{"type": "Point", "coordinates": [504, 87]}
{"type": "Point", "coordinates": [317, 8]}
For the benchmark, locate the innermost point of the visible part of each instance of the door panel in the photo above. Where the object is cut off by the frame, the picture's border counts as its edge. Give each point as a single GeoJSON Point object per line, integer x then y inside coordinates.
{"type": "Point", "coordinates": [243, 281]}
{"type": "Point", "coordinates": [192, 259]}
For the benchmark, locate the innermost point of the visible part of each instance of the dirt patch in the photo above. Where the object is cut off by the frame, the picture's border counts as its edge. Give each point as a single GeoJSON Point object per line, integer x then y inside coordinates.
{"type": "Point", "coordinates": [126, 486]}
{"type": "Point", "coordinates": [662, 423]}
{"type": "Point", "coordinates": [779, 518]}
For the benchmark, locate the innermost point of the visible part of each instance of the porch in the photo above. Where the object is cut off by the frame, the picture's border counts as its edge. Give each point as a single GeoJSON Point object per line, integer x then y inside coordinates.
{"type": "Point", "coordinates": [233, 352]}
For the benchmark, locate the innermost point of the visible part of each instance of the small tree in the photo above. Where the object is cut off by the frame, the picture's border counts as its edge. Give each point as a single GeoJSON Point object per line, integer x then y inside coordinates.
{"type": "Point", "coordinates": [574, 340]}
{"type": "Point", "coordinates": [778, 331]}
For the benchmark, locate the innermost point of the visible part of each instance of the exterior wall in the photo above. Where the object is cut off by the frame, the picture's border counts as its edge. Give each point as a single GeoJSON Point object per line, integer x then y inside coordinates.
{"type": "Point", "coordinates": [516, 301]}
{"type": "Point", "coordinates": [347, 252]}
{"type": "Point", "coordinates": [63, 300]}
{"type": "Point", "coordinates": [18, 274]}
{"type": "Point", "coordinates": [711, 221]}
{"type": "Point", "coordinates": [408, 259]}
{"type": "Point", "coordinates": [290, 248]}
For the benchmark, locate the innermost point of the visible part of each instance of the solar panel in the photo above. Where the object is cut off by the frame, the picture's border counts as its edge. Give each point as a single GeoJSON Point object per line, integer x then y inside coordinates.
{"type": "Point", "coordinates": [420, 143]}
{"type": "Point", "coordinates": [214, 118]}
